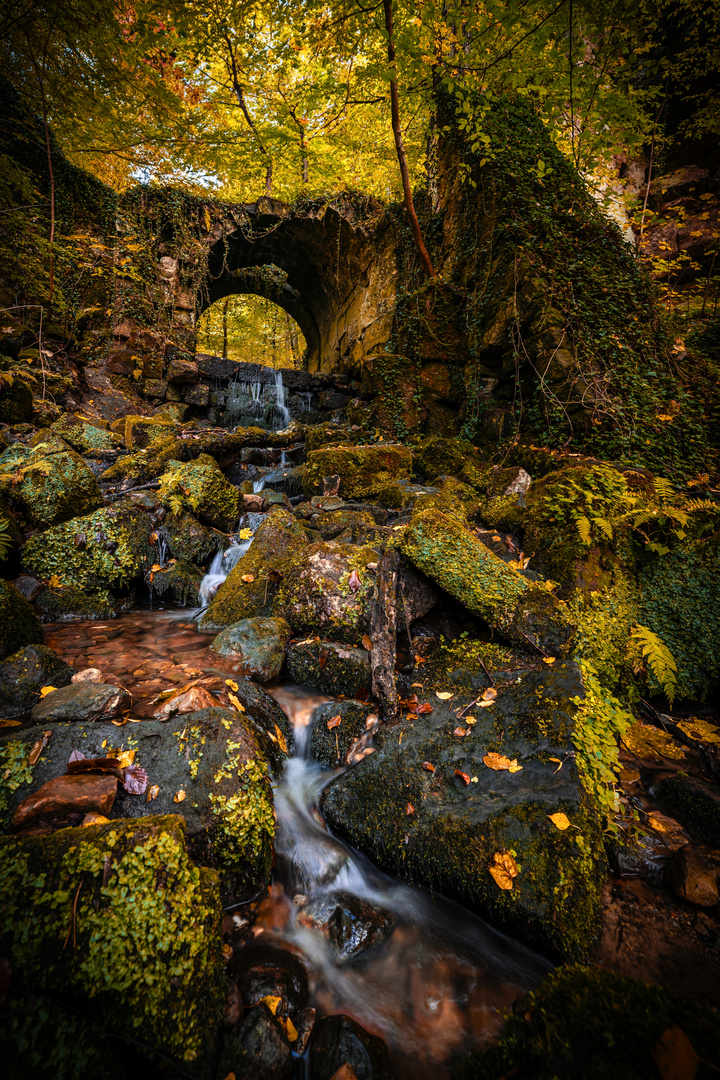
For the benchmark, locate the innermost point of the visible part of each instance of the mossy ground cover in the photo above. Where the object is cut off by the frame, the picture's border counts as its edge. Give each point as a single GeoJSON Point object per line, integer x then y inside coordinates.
{"type": "Point", "coordinates": [364, 471]}
{"type": "Point", "coordinates": [200, 487]}
{"type": "Point", "coordinates": [50, 482]}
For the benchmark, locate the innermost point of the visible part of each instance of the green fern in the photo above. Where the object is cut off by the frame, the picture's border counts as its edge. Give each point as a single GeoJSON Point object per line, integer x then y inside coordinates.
{"type": "Point", "coordinates": [663, 489]}
{"type": "Point", "coordinates": [5, 538]}
{"type": "Point", "coordinates": [658, 658]}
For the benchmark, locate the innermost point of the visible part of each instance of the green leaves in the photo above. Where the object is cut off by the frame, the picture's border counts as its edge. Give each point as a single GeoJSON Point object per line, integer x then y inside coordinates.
{"type": "Point", "coordinates": [658, 658]}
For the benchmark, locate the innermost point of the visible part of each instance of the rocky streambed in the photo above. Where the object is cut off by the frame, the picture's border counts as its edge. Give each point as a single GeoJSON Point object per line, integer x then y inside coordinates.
{"type": "Point", "coordinates": [317, 755]}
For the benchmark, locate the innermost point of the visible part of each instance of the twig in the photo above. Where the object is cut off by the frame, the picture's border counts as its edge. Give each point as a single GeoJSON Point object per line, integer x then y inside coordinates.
{"type": "Point", "coordinates": [141, 487]}
{"type": "Point", "coordinates": [72, 920]}
{"type": "Point", "coordinates": [534, 644]}
{"type": "Point", "coordinates": [407, 624]}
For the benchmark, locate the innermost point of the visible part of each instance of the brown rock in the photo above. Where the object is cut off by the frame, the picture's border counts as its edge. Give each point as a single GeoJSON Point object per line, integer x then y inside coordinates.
{"type": "Point", "coordinates": [182, 371]}
{"type": "Point", "coordinates": [65, 795]}
{"type": "Point", "coordinates": [190, 701]}
{"type": "Point", "coordinates": [345, 1072]}
{"type": "Point", "coordinates": [120, 362]}
{"type": "Point", "coordinates": [254, 504]}
{"type": "Point", "coordinates": [691, 878]}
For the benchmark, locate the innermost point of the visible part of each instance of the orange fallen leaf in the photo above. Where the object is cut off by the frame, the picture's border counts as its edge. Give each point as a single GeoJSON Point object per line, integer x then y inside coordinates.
{"type": "Point", "coordinates": [424, 709]}
{"type": "Point", "coordinates": [548, 659]}
{"type": "Point", "coordinates": [461, 731]}
{"type": "Point", "coordinates": [503, 869]}
{"type": "Point", "coordinates": [499, 762]}
{"type": "Point", "coordinates": [153, 793]}
{"type": "Point", "coordinates": [272, 1001]}
{"type": "Point", "coordinates": [428, 766]}
{"type": "Point", "coordinates": [38, 748]}
{"type": "Point", "coordinates": [122, 723]}
{"type": "Point", "coordinates": [180, 796]}
{"type": "Point", "coordinates": [232, 684]}
{"type": "Point", "coordinates": [155, 567]}
{"type": "Point", "coordinates": [463, 776]}
{"type": "Point", "coordinates": [409, 809]}
{"type": "Point", "coordinates": [444, 695]}
{"type": "Point", "coordinates": [334, 722]}
{"type": "Point", "coordinates": [236, 702]}
{"type": "Point", "coordinates": [125, 758]}
{"type": "Point", "coordinates": [92, 818]}
{"type": "Point", "coordinates": [249, 578]}
{"type": "Point", "coordinates": [10, 723]}
{"type": "Point", "coordinates": [560, 821]}
{"type": "Point", "coordinates": [367, 643]}
{"type": "Point", "coordinates": [281, 739]}
{"type": "Point", "coordinates": [490, 694]}
{"type": "Point", "coordinates": [288, 1027]}
{"type": "Point", "coordinates": [495, 537]}
{"type": "Point", "coordinates": [227, 951]}
{"type": "Point", "coordinates": [45, 690]}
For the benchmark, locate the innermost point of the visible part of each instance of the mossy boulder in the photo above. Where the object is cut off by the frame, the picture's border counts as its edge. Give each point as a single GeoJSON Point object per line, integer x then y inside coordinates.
{"type": "Point", "coordinates": [23, 675]}
{"type": "Point", "coordinates": [83, 435]}
{"type": "Point", "coordinates": [329, 667]}
{"type": "Point", "coordinates": [258, 644]}
{"type": "Point", "coordinates": [274, 731]}
{"type": "Point", "coordinates": [144, 466]}
{"type": "Point", "coordinates": [109, 549]}
{"type": "Point", "coordinates": [188, 540]}
{"type": "Point", "coordinates": [437, 456]}
{"type": "Point", "coordinates": [318, 435]}
{"type": "Point", "coordinates": [351, 526]}
{"type": "Point", "coordinates": [70, 604]}
{"type": "Point", "coordinates": [16, 401]}
{"type": "Point", "coordinates": [450, 554]}
{"type": "Point", "coordinates": [211, 760]}
{"type": "Point", "coordinates": [142, 925]}
{"type": "Point", "coordinates": [51, 483]}
{"type": "Point", "coordinates": [201, 488]}
{"type": "Point", "coordinates": [330, 745]}
{"type": "Point", "coordinates": [178, 582]}
{"type": "Point", "coordinates": [83, 702]}
{"type": "Point", "coordinates": [138, 432]}
{"type": "Point", "coordinates": [589, 1022]}
{"type": "Point", "coordinates": [466, 815]}
{"type": "Point", "coordinates": [328, 588]}
{"type": "Point", "coordinates": [251, 587]}
{"type": "Point", "coordinates": [364, 471]}
{"type": "Point", "coordinates": [19, 625]}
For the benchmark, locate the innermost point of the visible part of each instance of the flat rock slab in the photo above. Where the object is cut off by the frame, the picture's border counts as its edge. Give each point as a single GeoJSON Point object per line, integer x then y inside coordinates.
{"type": "Point", "coordinates": [426, 806]}
{"type": "Point", "coordinates": [64, 796]}
{"type": "Point", "coordinates": [83, 701]}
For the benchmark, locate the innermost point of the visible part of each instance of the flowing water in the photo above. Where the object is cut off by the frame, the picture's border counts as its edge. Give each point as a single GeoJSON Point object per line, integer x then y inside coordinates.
{"type": "Point", "coordinates": [439, 983]}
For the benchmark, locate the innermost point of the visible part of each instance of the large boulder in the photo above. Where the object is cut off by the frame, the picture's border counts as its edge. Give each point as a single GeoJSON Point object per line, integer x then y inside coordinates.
{"type": "Point", "coordinates": [328, 589]}
{"type": "Point", "coordinates": [83, 701]}
{"type": "Point", "coordinates": [19, 625]}
{"type": "Point", "coordinates": [336, 727]}
{"type": "Point", "coordinates": [258, 644]}
{"type": "Point", "coordinates": [106, 550]}
{"type": "Point", "coordinates": [200, 486]}
{"type": "Point", "coordinates": [52, 482]}
{"type": "Point", "coordinates": [84, 435]}
{"type": "Point", "coordinates": [364, 471]}
{"type": "Point", "coordinates": [23, 675]}
{"type": "Point", "coordinates": [109, 928]}
{"type": "Point", "coordinates": [179, 581]}
{"type": "Point", "coordinates": [438, 807]}
{"type": "Point", "coordinates": [207, 766]}
{"type": "Point", "coordinates": [251, 587]}
{"type": "Point", "coordinates": [189, 541]}
{"type": "Point", "coordinates": [329, 667]}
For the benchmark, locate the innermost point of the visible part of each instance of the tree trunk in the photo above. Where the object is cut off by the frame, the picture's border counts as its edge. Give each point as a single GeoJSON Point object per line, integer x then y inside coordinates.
{"type": "Point", "coordinates": [224, 322]}
{"type": "Point", "coordinates": [397, 132]}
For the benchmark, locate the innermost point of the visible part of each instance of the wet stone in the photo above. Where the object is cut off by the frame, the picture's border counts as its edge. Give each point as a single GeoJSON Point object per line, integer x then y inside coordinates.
{"type": "Point", "coordinates": [329, 666]}
{"type": "Point", "coordinates": [350, 923]}
{"type": "Point", "coordinates": [331, 745]}
{"type": "Point", "coordinates": [316, 861]}
{"type": "Point", "coordinates": [83, 702]}
{"type": "Point", "coordinates": [262, 970]}
{"type": "Point", "coordinates": [66, 795]}
{"type": "Point", "coordinates": [259, 645]}
{"type": "Point", "coordinates": [264, 1051]}
{"type": "Point", "coordinates": [23, 675]}
{"type": "Point", "coordinates": [337, 1041]}
{"type": "Point", "coordinates": [692, 878]}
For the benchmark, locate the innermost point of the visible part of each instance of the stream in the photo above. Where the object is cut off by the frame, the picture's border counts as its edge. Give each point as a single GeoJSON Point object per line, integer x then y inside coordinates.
{"type": "Point", "coordinates": [440, 980]}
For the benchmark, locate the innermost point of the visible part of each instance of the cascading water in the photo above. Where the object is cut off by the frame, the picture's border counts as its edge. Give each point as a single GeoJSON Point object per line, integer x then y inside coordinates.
{"type": "Point", "coordinates": [220, 567]}
{"type": "Point", "coordinates": [439, 982]}
{"type": "Point", "coordinates": [280, 406]}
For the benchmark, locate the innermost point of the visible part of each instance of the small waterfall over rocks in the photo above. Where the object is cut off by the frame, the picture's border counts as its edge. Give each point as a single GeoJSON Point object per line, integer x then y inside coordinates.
{"type": "Point", "coordinates": [220, 567]}
{"type": "Point", "coordinates": [259, 403]}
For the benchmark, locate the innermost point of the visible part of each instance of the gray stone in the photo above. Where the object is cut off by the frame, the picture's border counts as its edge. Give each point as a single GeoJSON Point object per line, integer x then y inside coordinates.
{"type": "Point", "coordinates": [331, 746]}
{"type": "Point", "coordinates": [337, 1041]}
{"type": "Point", "coordinates": [258, 643]}
{"type": "Point", "coordinates": [351, 924]}
{"type": "Point", "coordinates": [23, 675]}
{"type": "Point", "coordinates": [197, 395]}
{"type": "Point", "coordinates": [329, 666]}
{"type": "Point", "coordinates": [82, 701]}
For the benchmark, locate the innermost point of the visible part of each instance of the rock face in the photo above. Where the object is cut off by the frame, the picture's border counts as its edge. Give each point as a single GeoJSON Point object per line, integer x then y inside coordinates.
{"type": "Point", "coordinates": [166, 962]}
{"type": "Point", "coordinates": [19, 625]}
{"type": "Point", "coordinates": [328, 590]}
{"type": "Point", "coordinates": [201, 487]}
{"type": "Point", "coordinates": [329, 667]}
{"type": "Point", "coordinates": [262, 970]}
{"type": "Point", "coordinates": [55, 483]}
{"type": "Point", "coordinates": [692, 878]}
{"type": "Point", "coordinates": [64, 796]}
{"type": "Point", "coordinates": [23, 675]}
{"type": "Point", "coordinates": [330, 745]}
{"type": "Point", "coordinates": [262, 1048]}
{"type": "Point", "coordinates": [364, 471]}
{"type": "Point", "coordinates": [431, 808]}
{"type": "Point", "coordinates": [259, 645]}
{"type": "Point", "coordinates": [83, 702]}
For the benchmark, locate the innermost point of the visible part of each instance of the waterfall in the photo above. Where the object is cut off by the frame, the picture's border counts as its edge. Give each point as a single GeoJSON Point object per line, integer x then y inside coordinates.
{"type": "Point", "coordinates": [220, 567]}
{"type": "Point", "coordinates": [280, 406]}
{"type": "Point", "coordinates": [306, 398]}
{"type": "Point", "coordinates": [258, 485]}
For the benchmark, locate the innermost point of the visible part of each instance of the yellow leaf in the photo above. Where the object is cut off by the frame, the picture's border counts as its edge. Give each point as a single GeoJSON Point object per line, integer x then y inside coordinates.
{"type": "Point", "coordinates": [94, 819]}
{"type": "Point", "coordinates": [227, 951]}
{"type": "Point", "coordinates": [484, 704]}
{"type": "Point", "coordinates": [244, 534]}
{"type": "Point", "coordinates": [281, 739]}
{"type": "Point", "coordinates": [471, 720]}
{"type": "Point", "coordinates": [443, 695]}
{"type": "Point", "coordinates": [232, 684]}
{"type": "Point", "coordinates": [503, 869]}
{"type": "Point", "coordinates": [499, 762]}
{"type": "Point", "coordinates": [548, 660]}
{"type": "Point", "coordinates": [248, 578]}
{"type": "Point", "coordinates": [490, 694]}
{"type": "Point", "coordinates": [289, 1028]}
{"type": "Point", "coordinates": [496, 537]}
{"type": "Point", "coordinates": [103, 744]}
{"type": "Point", "coordinates": [179, 797]}
{"type": "Point", "coordinates": [155, 567]}
{"type": "Point", "coordinates": [54, 582]}
{"type": "Point", "coordinates": [560, 821]}
{"type": "Point", "coordinates": [646, 741]}
{"type": "Point", "coordinates": [153, 793]}
{"type": "Point", "coordinates": [125, 758]}
{"type": "Point", "coordinates": [515, 768]}
{"type": "Point", "coordinates": [47, 690]}
{"type": "Point", "coordinates": [236, 702]}
{"type": "Point", "coordinates": [10, 723]}
{"type": "Point", "coordinates": [272, 1002]}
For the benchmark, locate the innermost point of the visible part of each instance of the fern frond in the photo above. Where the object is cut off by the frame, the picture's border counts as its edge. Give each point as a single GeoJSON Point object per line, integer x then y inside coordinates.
{"type": "Point", "coordinates": [695, 506]}
{"type": "Point", "coordinates": [663, 489]}
{"type": "Point", "coordinates": [583, 527]}
{"type": "Point", "coordinates": [659, 659]}
{"type": "Point", "coordinates": [604, 526]}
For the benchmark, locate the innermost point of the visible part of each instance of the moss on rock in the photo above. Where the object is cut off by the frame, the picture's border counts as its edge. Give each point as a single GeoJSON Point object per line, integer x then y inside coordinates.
{"type": "Point", "coordinates": [22, 676]}
{"type": "Point", "coordinates": [188, 540]}
{"type": "Point", "coordinates": [50, 482]}
{"type": "Point", "coordinates": [106, 550]}
{"type": "Point", "coordinates": [143, 926]}
{"type": "Point", "coordinates": [179, 582]}
{"type": "Point", "coordinates": [364, 471]}
{"type": "Point", "coordinates": [200, 487]}
{"type": "Point", "coordinates": [83, 435]}
{"type": "Point", "coordinates": [19, 625]}
{"type": "Point", "coordinates": [327, 589]}
{"type": "Point", "coordinates": [70, 604]}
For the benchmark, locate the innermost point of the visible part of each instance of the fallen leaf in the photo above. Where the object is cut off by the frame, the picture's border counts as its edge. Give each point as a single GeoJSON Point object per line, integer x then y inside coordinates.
{"type": "Point", "coordinates": [153, 793]}
{"type": "Point", "coordinates": [560, 821]}
{"type": "Point", "coordinates": [409, 809]}
{"type": "Point", "coordinates": [227, 951]}
{"type": "Point", "coordinates": [419, 685]}
{"type": "Point", "coordinates": [334, 722]}
{"type": "Point", "coordinates": [646, 741]}
{"type": "Point", "coordinates": [232, 684]}
{"type": "Point", "coordinates": [354, 581]}
{"type": "Point", "coordinates": [282, 743]}
{"type": "Point", "coordinates": [155, 567]}
{"type": "Point", "coordinates": [38, 748]}
{"type": "Point", "coordinates": [425, 708]}
{"type": "Point", "coordinates": [244, 534]}
{"type": "Point", "coordinates": [463, 776]}
{"type": "Point", "coordinates": [179, 796]}
{"type": "Point", "coordinates": [236, 702]}
{"type": "Point", "coordinates": [249, 578]}
{"type": "Point", "coordinates": [548, 659]}
{"type": "Point", "coordinates": [490, 694]}
{"type": "Point", "coordinates": [125, 758]}
{"type": "Point", "coordinates": [428, 766]}
{"type": "Point", "coordinates": [136, 780]}
{"type": "Point", "coordinates": [495, 537]}
{"type": "Point", "coordinates": [499, 762]}
{"type": "Point", "coordinates": [54, 582]}
{"type": "Point", "coordinates": [122, 723]}
{"type": "Point", "coordinates": [629, 776]}
{"type": "Point", "coordinates": [675, 1055]}
{"type": "Point", "coordinates": [662, 823]}
{"type": "Point", "coordinates": [461, 731]}
{"type": "Point", "coordinates": [44, 690]}
{"type": "Point", "coordinates": [484, 704]}
{"type": "Point", "coordinates": [444, 695]}
{"type": "Point", "coordinates": [471, 720]}
{"type": "Point", "coordinates": [322, 660]}
{"type": "Point", "coordinates": [92, 818]}
{"type": "Point", "coordinates": [503, 869]}
{"type": "Point", "coordinates": [367, 643]}
{"type": "Point", "coordinates": [153, 538]}
{"type": "Point", "coordinates": [10, 723]}
{"type": "Point", "coordinates": [272, 1001]}
{"type": "Point", "coordinates": [288, 1027]}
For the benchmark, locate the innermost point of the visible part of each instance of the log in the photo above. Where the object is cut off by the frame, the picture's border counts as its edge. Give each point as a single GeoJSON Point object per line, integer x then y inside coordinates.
{"type": "Point", "coordinates": [383, 628]}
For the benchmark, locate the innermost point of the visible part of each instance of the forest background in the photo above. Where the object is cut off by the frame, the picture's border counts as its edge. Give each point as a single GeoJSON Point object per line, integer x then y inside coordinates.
{"type": "Point", "coordinates": [293, 99]}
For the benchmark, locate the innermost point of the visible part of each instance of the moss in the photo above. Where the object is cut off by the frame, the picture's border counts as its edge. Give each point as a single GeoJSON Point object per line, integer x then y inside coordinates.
{"type": "Point", "coordinates": [15, 770]}
{"type": "Point", "coordinates": [179, 583]}
{"type": "Point", "coordinates": [190, 541]}
{"type": "Point", "coordinates": [330, 746]}
{"type": "Point", "coordinates": [83, 435]}
{"type": "Point", "coordinates": [329, 667]}
{"type": "Point", "coordinates": [316, 595]}
{"type": "Point", "coordinates": [201, 487]}
{"type": "Point", "coordinates": [142, 923]}
{"type": "Point", "coordinates": [142, 431]}
{"type": "Point", "coordinates": [105, 550]}
{"type": "Point", "coordinates": [251, 587]}
{"type": "Point", "coordinates": [19, 625]}
{"type": "Point", "coordinates": [246, 818]}
{"type": "Point", "coordinates": [438, 456]}
{"type": "Point", "coordinates": [593, 1023]}
{"type": "Point", "coordinates": [599, 720]}
{"type": "Point", "coordinates": [325, 435]}
{"type": "Point", "coordinates": [50, 482]}
{"type": "Point", "coordinates": [357, 526]}
{"type": "Point", "coordinates": [15, 402]}
{"type": "Point", "coordinates": [604, 619]}
{"type": "Point", "coordinates": [69, 604]}
{"type": "Point", "coordinates": [363, 470]}
{"type": "Point", "coordinates": [504, 512]}
{"type": "Point", "coordinates": [460, 664]}
{"type": "Point", "coordinates": [144, 466]}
